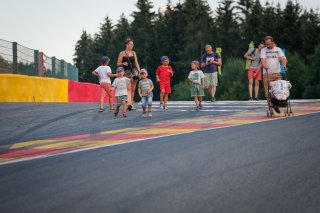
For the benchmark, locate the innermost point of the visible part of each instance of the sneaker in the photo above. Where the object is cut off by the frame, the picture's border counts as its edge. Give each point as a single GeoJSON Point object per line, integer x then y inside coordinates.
{"type": "Point", "coordinates": [256, 99]}
{"type": "Point", "coordinates": [197, 108]}
{"type": "Point", "coordinates": [129, 107]}
{"type": "Point", "coordinates": [124, 115]}
{"type": "Point", "coordinates": [165, 108]}
{"type": "Point", "coordinates": [213, 99]}
{"type": "Point", "coordinates": [116, 113]}
{"type": "Point", "coordinates": [144, 115]}
{"type": "Point", "coordinates": [250, 99]}
{"type": "Point", "coordinates": [161, 105]}
{"type": "Point", "coordinates": [277, 110]}
{"type": "Point", "coordinates": [200, 106]}
{"type": "Point", "coordinates": [133, 107]}
{"type": "Point", "coordinates": [101, 110]}
{"type": "Point", "coordinates": [150, 115]}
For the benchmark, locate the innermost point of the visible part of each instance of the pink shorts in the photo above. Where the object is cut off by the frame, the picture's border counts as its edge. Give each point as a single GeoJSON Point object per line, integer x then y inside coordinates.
{"type": "Point", "coordinates": [165, 87]}
{"type": "Point", "coordinates": [105, 88]}
{"type": "Point", "coordinates": [252, 71]}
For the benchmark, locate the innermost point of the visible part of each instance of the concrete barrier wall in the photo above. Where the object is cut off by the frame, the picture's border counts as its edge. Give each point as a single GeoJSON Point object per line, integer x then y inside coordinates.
{"type": "Point", "coordinates": [21, 88]}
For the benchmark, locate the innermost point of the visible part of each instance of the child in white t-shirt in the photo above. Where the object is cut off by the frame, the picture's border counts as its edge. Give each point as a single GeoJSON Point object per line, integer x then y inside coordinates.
{"type": "Point", "coordinates": [120, 84]}
{"type": "Point", "coordinates": [104, 73]}
{"type": "Point", "coordinates": [196, 77]}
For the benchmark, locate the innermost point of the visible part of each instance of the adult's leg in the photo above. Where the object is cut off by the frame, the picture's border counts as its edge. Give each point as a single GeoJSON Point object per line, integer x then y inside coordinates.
{"type": "Point", "coordinates": [133, 89]}
{"type": "Point", "coordinates": [250, 87]}
{"type": "Point", "coordinates": [256, 88]}
{"type": "Point", "coordinates": [196, 100]}
{"type": "Point", "coordinates": [129, 89]}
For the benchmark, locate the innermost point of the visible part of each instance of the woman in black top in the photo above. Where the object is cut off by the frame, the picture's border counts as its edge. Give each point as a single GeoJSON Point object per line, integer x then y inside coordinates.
{"type": "Point", "coordinates": [129, 61]}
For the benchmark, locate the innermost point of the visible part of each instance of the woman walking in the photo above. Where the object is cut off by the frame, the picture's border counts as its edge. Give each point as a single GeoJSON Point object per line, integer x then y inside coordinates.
{"type": "Point", "coordinates": [129, 61]}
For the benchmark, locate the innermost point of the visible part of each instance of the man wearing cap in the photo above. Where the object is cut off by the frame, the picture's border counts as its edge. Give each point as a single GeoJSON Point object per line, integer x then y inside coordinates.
{"type": "Point", "coordinates": [210, 62]}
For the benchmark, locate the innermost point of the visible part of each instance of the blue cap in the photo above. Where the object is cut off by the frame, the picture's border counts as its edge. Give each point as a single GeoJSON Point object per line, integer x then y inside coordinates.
{"type": "Point", "coordinates": [105, 59]}
{"type": "Point", "coordinates": [120, 69]}
{"type": "Point", "coordinates": [163, 58]}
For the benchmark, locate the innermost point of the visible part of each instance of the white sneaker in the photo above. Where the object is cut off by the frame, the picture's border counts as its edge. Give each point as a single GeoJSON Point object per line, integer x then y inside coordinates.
{"type": "Point", "coordinates": [144, 115]}
{"type": "Point", "coordinates": [161, 105]}
{"type": "Point", "coordinates": [165, 108]}
{"type": "Point", "coordinates": [150, 115]}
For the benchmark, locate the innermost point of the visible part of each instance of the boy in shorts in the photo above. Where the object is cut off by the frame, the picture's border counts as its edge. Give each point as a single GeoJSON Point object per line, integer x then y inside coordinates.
{"type": "Point", "coordinates": [145, 88]}
{"type": "Point", "coordinates": [120, 85]}
{"type": "Point", "coordinates": [163, 74]}
{"type": "Point", "coordinates": [104, 73]}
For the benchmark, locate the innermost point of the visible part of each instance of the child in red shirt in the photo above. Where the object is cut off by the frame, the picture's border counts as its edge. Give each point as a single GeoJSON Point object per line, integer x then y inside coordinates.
{"type": "Point", "coordinates": [164, 73]}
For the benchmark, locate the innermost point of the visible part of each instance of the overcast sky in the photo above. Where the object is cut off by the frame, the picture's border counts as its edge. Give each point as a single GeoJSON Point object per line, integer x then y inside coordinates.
{"type": "Point", "coordinates": [54, 26]}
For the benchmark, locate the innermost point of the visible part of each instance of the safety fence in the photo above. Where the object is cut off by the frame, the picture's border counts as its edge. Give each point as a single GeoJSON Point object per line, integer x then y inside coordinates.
{"type": "Point", "coordinates": [18, 59]}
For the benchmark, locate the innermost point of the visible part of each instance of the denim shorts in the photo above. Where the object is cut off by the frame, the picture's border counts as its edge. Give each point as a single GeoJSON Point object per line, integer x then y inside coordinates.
{"type": "Point", "coordinates": [146, 100]}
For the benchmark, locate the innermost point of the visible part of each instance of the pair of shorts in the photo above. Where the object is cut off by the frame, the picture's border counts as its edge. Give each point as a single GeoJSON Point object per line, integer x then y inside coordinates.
{"type": "Point", "coordinates": [146, 100]}
{"type": "Point", "coordinates": [105, 88]}
{"type": "Point", "coordinates": [196, 90]}
{"type": "Point", "coordinates": [122, 98]}
{"type": "Point", "coordinates": [271, 77]}
{"type": "Point", "coordinates": [252, 71]}
{"type": "Point", "coordinates": [131, 74]}
{"type": "Point", "coordinates": [210, 80]}
{"type": "Point", "coordinates": [165, 87]}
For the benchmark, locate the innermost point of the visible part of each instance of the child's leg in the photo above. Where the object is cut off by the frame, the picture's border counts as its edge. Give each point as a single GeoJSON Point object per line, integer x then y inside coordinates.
{"type": "Point", "coordinates": [102, 94]}
{"type": "Point", "coordinates": [165, 99]}
{"type": "Point", "coordinates": [144, 104]}
{"type": "Point", "coordinates": [149, 104]}
{"type": "Point", "coordinates": [161, 96]}
{"type": "Point", "coordinates": [124, 105]}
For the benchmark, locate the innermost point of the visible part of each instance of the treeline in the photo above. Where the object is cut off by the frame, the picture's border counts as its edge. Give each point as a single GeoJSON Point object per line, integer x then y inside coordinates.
{"type": "Point", "coordinates": [182, 30]}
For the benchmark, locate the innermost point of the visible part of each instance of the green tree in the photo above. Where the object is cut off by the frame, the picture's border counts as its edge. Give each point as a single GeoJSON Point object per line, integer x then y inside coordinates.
{"type": "Point", "coordinates": [310, 33]}
{"type": "Point", "coordinates": [290, 22]}
{"type": "Point", "coordinates": [228, 29]}
{"type": "Point", "coordinates": [82, 57]}
{"type": "Point", "coordinates": [142, 31]}
{"type": "Point", "coordinates": [312, 76]}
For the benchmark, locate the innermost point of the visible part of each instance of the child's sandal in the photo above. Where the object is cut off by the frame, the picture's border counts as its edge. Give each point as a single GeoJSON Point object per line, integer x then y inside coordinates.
{"type": "Point", "coordinates": [111, 110]}
{"type": "Point", "coordinates": [101, 110]}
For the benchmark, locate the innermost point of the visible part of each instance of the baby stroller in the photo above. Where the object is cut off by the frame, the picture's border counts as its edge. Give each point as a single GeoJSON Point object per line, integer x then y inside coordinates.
{"type": "Point", "coordinates": [279, 96]}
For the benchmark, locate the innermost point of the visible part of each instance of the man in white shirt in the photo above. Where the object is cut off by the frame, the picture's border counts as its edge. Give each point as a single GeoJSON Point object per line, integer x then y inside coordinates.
{"type": "Point", "coordinates": [270, 60]}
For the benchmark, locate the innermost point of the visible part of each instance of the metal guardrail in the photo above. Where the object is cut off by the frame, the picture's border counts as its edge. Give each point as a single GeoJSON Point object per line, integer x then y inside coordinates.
{"type": "Point", "coordinates": [18, 59]}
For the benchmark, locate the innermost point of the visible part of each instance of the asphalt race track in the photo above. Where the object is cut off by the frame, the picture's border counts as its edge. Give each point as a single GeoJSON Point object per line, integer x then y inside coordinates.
{"type": "Point", "coordinates": [227, 158]}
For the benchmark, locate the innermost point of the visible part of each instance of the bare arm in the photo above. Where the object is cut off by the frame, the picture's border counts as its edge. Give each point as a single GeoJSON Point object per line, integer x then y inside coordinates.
{"type": "Point", "coordinates": [202, 82]}
{"type": "Point", "coordinates": [284, 62]}
{"type": "Point", "coordinates": [94, 72]}
{"type": "Point", "coordinates": [112, 75]}
{"type": "Point", "coordinates": [136, 61]}
{"type": "Point", "coordinates": [119, 62]}
{"type": "Point", "coordinates": [247, 56]}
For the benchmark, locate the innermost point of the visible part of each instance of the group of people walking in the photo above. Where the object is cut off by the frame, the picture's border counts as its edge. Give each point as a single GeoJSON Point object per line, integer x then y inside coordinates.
{"type": "Point", "coordinates": [128, 73]}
